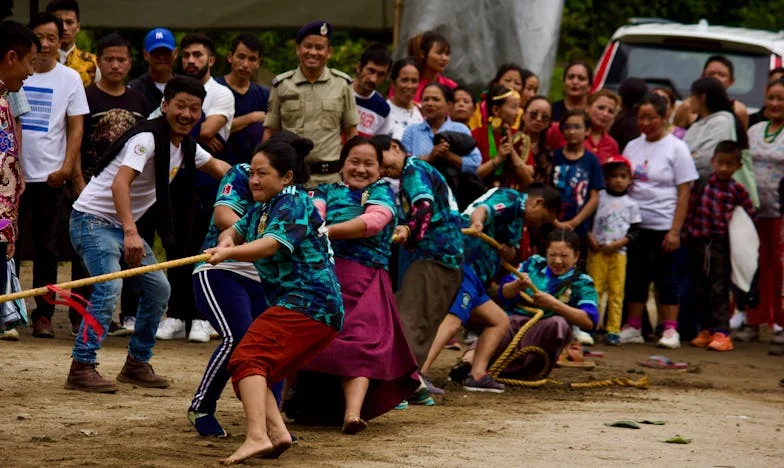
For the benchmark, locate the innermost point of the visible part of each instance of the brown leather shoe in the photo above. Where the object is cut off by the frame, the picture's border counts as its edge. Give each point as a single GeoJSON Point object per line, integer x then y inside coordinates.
{"type": "Point", "coordinates": [141, 374]}
{"type": "Point", "coordinates": [85, 378]}
{"type": "Point", "coordinates": [42, 328]}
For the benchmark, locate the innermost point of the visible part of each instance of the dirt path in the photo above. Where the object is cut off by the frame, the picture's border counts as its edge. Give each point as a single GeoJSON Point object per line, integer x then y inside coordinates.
{"type": "Point", "coordinates": [729, 404]}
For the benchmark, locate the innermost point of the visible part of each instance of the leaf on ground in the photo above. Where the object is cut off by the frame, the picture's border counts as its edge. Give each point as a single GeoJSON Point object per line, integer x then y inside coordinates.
{"type": "Point", "coordinates": [677, 440]}
{"type": "Point", "coordinates": [623, 424]}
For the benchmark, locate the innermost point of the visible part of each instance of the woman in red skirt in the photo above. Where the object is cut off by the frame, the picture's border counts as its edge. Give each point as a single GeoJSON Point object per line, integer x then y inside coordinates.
{"type": "Point", "coordinates": [283, 236]}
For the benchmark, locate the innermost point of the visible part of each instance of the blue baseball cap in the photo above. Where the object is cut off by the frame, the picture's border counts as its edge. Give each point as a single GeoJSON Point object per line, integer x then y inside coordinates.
{"type": "Point", "coordinates": [157, 38]}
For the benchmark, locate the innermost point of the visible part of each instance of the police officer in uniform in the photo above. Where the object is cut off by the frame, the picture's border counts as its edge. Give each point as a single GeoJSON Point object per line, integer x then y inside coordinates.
{"type": "Point", "coordinates": [315, 102]}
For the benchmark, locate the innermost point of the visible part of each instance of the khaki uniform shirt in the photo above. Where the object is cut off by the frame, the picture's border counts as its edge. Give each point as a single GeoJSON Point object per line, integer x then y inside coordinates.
{"type": "Point", "coordinates": [318, 111]}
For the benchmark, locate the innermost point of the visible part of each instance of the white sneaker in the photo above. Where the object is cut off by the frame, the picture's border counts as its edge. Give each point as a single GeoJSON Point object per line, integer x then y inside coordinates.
{"type": "Point", "coordinates": [737, 320]}
{"type": "Point", "coordinates": [670, 339]}
{"type": "Point", "coordinates": [171, 329]}
{"type": "Point", "coordinates": [213, 333]}
{"type": "Point", "coordinates": [200, 332]}
{"type": "Point", "coordinates": [778, 338]}
{"type": "Point", "coordinates": [631, 335]}
{"type": "Point", "coordinates": [129, 323]}
{"type": "Point", "coordinates": [10, 335]}
{"type": "Point", "coordinates": [581, 336]}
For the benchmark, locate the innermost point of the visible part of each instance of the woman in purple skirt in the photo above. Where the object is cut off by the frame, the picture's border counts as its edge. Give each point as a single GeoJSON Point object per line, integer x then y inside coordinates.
{"type": "Point", "coordinates": [370, 358]}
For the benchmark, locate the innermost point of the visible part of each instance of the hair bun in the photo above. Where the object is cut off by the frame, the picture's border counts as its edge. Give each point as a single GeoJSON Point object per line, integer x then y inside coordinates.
{"type": "Point", "coordinates": [303, 146]}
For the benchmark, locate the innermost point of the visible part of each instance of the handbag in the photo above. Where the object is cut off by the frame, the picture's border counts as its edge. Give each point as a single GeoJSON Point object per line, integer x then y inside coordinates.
{"type": "Point", "coordinates": [13, 313]}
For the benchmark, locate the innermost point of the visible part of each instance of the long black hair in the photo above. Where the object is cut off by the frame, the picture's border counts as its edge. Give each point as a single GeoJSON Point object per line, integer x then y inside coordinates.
{"type": "Point", "coordinates": [717, 100]}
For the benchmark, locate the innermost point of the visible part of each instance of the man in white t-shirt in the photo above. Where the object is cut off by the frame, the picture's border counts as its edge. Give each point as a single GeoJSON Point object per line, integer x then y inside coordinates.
{"type": "Point", "coordinates": [198, 58]}
{"type": "Point", "coordinates": [373, 109]}
{"type": "Point", "coordinates": [134, 174]}
{"type": "Point", "coordinates": [52, 134]}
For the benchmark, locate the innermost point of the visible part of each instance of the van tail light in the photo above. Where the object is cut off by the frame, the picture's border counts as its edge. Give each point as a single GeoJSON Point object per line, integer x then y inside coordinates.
{"type": "Point", "coordinates": [604, 64]}
{"type": "Point", "coordinates": [775, 61]}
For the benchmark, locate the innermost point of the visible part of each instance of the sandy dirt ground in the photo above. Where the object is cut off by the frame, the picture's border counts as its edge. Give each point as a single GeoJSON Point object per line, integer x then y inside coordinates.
{"type": "Point", "coordinates": [730, 405]}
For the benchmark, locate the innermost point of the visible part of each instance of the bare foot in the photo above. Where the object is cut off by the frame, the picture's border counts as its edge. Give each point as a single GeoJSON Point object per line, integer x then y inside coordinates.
{"type": "Point", "coordinates": [249, 448]}
{"type": "Point", "coordinates": [353, 425]}
{"type": "Point", "coordinates": [280, 443]}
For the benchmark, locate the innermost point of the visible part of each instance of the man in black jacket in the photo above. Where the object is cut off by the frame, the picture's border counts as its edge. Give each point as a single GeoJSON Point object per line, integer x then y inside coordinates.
{"type": "Point", "coordinates": [132, 176]}
{"type": "Point", "coordinates": [160, 52]}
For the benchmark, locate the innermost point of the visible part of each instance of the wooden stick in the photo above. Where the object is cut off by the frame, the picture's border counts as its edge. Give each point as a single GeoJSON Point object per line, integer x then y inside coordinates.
{"type": "Point", "coordinates": [107, 277]}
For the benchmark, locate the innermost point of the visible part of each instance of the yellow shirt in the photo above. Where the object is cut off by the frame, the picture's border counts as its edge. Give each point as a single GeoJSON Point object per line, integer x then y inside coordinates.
{"type": "Point", "coordinates": [85, 63]}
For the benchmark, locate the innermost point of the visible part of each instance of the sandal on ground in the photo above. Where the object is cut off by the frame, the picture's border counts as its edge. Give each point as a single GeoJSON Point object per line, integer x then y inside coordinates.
{"type": "Point", "coordinates": [572, 356]}
{"type": "Point", "coordinates": [662, 362]}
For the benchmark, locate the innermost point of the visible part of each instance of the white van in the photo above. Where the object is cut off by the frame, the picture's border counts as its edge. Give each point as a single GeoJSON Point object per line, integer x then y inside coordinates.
{"type": "Point", "coordinates": [674, 54]}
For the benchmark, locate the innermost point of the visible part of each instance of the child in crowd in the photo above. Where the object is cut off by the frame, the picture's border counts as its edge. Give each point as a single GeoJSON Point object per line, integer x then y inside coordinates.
{"type": "Point", "coordinates": [577, 174]}
{"type": "Point", "coordinates": [615, 226]}
{"type": "Point", "coordinates": [464, 106]}
{"type": "Point", "coordinates": [567, 297]}
{"type": "Point", "coordinates": [505, 152]}
{"type": "Point", "coordinates": [710, 211]}
{"type": "Point", "coordinates": [284, 236]}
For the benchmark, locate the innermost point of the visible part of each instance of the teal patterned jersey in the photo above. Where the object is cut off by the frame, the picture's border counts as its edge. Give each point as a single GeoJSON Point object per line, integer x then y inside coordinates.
{"type": "Point", "coordinates": [300, 276]}
{"type": "Point", "coordinates": [234, 192]}
{"type": "Point", "coordinates": [572, 288]}
{"type": "Point", "coordinates": [344, 204]}
{"type": "Point", "coordinates": [504, 223]}
{"type": "Point", "coordinates": [436, 235]}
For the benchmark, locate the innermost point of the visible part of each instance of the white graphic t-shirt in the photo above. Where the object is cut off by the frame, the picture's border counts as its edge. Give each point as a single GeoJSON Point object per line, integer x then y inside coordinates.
{"type": "Point", "coordinates": [53, 96]}
{"type": "Point", "coordinates": [613, 217]}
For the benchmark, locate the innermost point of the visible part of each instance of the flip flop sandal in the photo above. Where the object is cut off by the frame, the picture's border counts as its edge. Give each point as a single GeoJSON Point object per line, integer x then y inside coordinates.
{"type": "Point", "coordinates": [572, 356]}
{"type": "Point", "coordinates": [662, 362]}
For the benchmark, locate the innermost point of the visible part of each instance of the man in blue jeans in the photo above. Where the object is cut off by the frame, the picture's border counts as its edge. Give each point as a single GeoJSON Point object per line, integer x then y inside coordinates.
{"type": "Point", "coordinates": [134, 174]}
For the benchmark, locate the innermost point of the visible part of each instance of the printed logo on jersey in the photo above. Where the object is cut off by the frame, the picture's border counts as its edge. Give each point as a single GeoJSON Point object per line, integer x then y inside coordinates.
{"type": "Point", "coordinates": [262, 224]}
{"type": "Point", "coordinates": [465, 300]}
{"type": "Point", "coordinates": [227, 189]}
